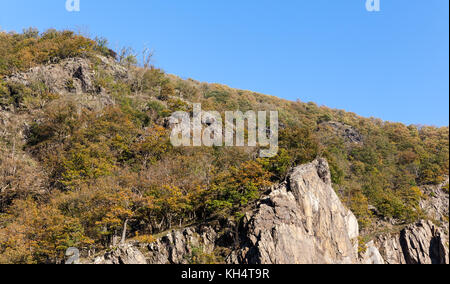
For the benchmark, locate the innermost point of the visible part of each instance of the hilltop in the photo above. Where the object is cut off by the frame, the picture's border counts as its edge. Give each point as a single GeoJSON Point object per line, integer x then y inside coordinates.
{"type": "Point", "coordinates": [85, 158]}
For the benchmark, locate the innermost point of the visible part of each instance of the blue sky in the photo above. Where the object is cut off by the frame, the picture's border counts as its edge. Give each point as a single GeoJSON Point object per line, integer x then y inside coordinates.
{"type": "Point", "coordinates": [393, 64]}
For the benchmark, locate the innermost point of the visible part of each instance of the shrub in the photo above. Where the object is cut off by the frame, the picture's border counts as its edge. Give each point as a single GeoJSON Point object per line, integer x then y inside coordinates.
{"type": "Point", "coordinates": [19, 52]}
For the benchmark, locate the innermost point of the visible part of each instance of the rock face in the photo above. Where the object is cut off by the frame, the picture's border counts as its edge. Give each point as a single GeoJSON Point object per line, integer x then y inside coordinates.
{"type": "Point", "coordinates": [302, 222]}
{"type": "Point", "coordinates": [391, 249]}
{"type": "Point", "coordinates": [299, 222]}
{"type": "Point", "coordinates": [372, 255]}
{"type": "Point", "coordinates": [421, 243]}
{"type": "Point", "coordinates": [177, 246]}
{"type": "Point", "coordinates": [74, 78]}
{"type": "Point", "coordinates": [124, 254]}
{"type": "Point", "coordinates": [436, 205]}
{"type": "Point", "coordinates": [73, 75]}
{"type": "Point", "coordinates": [347, 132]}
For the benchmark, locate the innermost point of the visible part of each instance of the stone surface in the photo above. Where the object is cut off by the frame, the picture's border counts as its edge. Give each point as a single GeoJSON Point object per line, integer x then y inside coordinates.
{"type": "Point", "coordinates": [301, 222]}
{"type": "Point", "coordinates": [420, 243]}
{"type": "Point", "coordinates": [73, 79]}
{"type": "Point", "coordinates": [372, 255]}
{"type": "Point", "coordinates": [436, 204]}
{"type": "Point", "coordinates": [391, 249]}
{"type": "Point", "coordinates": [123, 254]}
{"type": "Point", "coordinates": [424, 242]}
{"type": "Point", "coordinates": [73, 75]}
{"type": "Point", "coordinates": [177, 246]}
{"type": "Point", "coordinates": [347, 132]}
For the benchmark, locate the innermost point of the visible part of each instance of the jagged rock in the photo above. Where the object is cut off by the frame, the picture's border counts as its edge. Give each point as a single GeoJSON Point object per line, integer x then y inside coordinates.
{"type": "Point", "coordinates": [123, 254]}
{"type": "Point", "coordinates": [74, 78]}
{"type": "Point", "coordinates": [391, 249]}
{"type": "Point", "coordinates": [73, 75]}
{"type": "Point", "coordinates": [372, 255]}
{"type": "Point", "coordinates": [421, 243]}
{"type": "Point", "coordinates": [302, 222]}
{"type": "Point", "coordinates": [347, 132]}
{"type": "Point", "coordinates": [436, 205]}
{"type": "Point", "coordinates": [178, 245]}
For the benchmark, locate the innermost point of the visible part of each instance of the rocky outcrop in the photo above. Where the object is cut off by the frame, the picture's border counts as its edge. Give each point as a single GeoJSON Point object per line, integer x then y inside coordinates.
{"type": "Point", "coordinates": [425, 242]}
{"type": "Point", "coordinates": [349, 133]}
{"type": "Point", "coordinates": [178, 246]}
{"type": "Point", "coordinates": [390, 248]}
{"type": "Point", "coordinates": [123, 254]}
{"type": "Point", "coordinates": [74, 79]}
{"type": "Point", "coordinates": [421, 243]}
{"type": "Point", "coordinates": [436, 203]}
{"type": "Point", "coordinates": [73, 75]}
{"type": "Point", "coordinates": [300, 222]}
{"type": "Point", "coordinates": [372, 255]}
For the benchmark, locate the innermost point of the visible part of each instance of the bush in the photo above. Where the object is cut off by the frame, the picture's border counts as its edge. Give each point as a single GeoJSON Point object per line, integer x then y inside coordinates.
{"type": "Point", "coordinates": [4, 94]}
{"type": "Point", "coordinates": [19, 52]}
{"type": "Point", "coordinates": [239, 187]}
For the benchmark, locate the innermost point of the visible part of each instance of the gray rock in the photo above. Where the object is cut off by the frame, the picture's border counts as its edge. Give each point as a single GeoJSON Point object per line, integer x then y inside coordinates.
{"type": "Point", "coordinates": [421, 243]}
{"type": "Point", "coordinates": [391, 249]}
{"type": "Point", "coordinates": [347, 132]}
{"type": "Point", "coordinates": [372, 255]}
{"type": "Point", "coordinates": [123, 254]}
{"type": "Point", "coordinates": [436, 204]}
{"type": "Point", "coordinates": [303, 222]}
{"type": "Point", "coordinates": [73, 75]}
{"type": "Point", "coordinates": [178, 245]}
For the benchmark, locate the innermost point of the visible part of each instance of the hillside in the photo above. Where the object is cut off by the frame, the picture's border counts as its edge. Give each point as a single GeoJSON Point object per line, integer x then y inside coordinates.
{"type": "Point", "coordinates": [85, 157]}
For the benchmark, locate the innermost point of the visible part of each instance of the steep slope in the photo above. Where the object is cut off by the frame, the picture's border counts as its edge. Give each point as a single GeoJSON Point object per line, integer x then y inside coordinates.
{"type": "Point", "coordinates": [85, 154]}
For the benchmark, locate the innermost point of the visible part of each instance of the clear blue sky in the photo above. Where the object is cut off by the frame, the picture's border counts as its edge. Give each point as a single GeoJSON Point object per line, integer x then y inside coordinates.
{"type": "Point", "coordinates": [393, 64]}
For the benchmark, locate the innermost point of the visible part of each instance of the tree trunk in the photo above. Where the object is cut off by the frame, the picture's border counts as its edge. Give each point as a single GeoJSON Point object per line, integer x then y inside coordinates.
{"type": "Point", "coordinates": [124, 232]}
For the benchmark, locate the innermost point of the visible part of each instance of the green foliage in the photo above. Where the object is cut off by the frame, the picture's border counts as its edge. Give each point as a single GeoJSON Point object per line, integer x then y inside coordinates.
{"type": "Point", "coordinates": [91, 171]}
{"type": "Point", "coordinates": [301, 144]}
{"type": "Point", "coordinates": [199, 256]}
{"type": "Point", "coordinates": [4, 94]}
{"type": "Point", "coordinates": [218, 96]}
{"type": "Point", "coordinates": [239, 187]}
{"type": "Point", "coordinates": [445, 188]}
{"type": "Point", "coordinates": [157, 109]}
{"type": "Point", "coordinates": [127, 57]}
{"type": "Point", "coordinates": [19, 52]}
